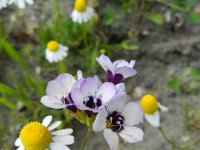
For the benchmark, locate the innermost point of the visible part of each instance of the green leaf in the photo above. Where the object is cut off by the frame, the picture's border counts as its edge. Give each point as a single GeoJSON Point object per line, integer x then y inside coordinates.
{"type": "Point", "coordinates": [156, 18]}
{"type": "Point", "coordinates": [12, 52]}
{"type": "Point", "coordinates": [109, 16]}
{"type": "Point", "coordinates": [7, 103]}
{"type": "Point", "coordinates": [6, 89]}
{"type": "Point", "coordinates": [194, 18]}
{"type": "Point", "coordinates": [174, 83]}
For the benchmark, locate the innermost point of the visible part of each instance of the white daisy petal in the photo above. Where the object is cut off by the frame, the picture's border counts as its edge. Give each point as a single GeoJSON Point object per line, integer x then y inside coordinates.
{"type": "Point", "coordinates": [163, 108]}
{"type": "Point", "coordinates": [65, 140]}
{"type": "Point", "coordinates": [100, 121]}
{"type": "Point", "coordinates": [18, 142]}
{"type": "Point", "coordinates": [47, 120]}
{"type": "Point", "coordinates": [132, 134]}
{"type": "Point", "coordinates": [112, 139]}
{"type": "Point", "coordinates": [154, 119]}
{"type": "Point", "coordinates": [62, 132]}
{"type": "Point", "coordinates": [58, 146]}
{"type": "Point", "coordinates": [20, 148]}
{"type": "Point", "coordinates": [54, 125]}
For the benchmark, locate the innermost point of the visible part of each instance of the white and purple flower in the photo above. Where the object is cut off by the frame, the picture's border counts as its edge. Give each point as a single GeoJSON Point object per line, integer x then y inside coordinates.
{"type": "Point", "coordinates": [58, 92]}
{"type": "Point", "coordinates": [118, 70]}
{"type": "Point", "coordinates": [119, 118]}
{"type": "Point", "coordinates": [89, 94]}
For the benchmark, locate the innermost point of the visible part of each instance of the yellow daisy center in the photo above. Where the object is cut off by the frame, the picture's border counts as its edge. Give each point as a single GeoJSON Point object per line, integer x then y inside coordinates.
{"type": "Point", "coordinates": [53, 46]}
{"type": "Point", "coordinates": [149, 104]}
{"type": "Point", "coordinates": [80, 5]}
{"type": "Point", "coordinates": [35, 136]}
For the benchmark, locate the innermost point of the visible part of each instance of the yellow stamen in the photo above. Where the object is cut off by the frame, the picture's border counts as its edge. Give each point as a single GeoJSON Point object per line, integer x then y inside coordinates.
{"type": "Point", "coordinates": [53, 46]}
{"type": "Point", "coordinates": [149, 104]}
{"type": "Point", "coordinates": [80, 5]}
{"type": "Point", "coordinates": [35, 136]}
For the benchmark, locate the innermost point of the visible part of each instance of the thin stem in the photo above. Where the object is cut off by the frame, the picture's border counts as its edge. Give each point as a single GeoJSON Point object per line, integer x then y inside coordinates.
{"type": "Point", "coordinates": [168, 140]}
{"type": "Point", "coordinates": [86, 138]}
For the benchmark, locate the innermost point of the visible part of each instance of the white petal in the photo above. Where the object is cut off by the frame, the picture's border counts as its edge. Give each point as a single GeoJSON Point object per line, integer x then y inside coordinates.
{"type": "Point", "coordinates": [120, 87]}
{"type": "Point", "coordinates": [117, 103]}
{"type": "Point", "coordinates": [65, 140]}
{"type": "Point", "coordinates": [126, 71]}
{"type": "Point", "coordinates": [112, 139]}
{"type": "Point", "coordinates": [132, 134]}
{"type": "Point", "coordinates": [105, 62]}
{"type": "Point", "coordinates": [62, 132]}
{"type": "Point", "coordinates": [52, 102]}
{"type": "Point", "coordinates": [80, 74]}
{"type": "Point", "coordinates": [54, 125]}
{"type": "Point", "coordinates": [163, 108]}
{"type": "Point", "coordinates": [133, 114]}
{"type": "Point", "coordinates": [54, 88]}
{"type": "Point", "coordinates": [100, 121]}
{"type": "Point", "coordinates": [154, 119]}
{"type": "Point", "coordinates": [18, 142]}
{"type": "Point", "coordinates": [106, 92]}
{"type": "Point", "coordinates": [20, 148]}
{"type": "Point", "coordinates": [67, 81]}
{"type": "Point", "coordinates": [47, 120]}
{"type": "Point", "coordinates": [58, 146]}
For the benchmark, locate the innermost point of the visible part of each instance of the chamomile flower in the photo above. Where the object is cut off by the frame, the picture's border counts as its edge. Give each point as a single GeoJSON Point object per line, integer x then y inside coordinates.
{"type": "Point", "coordinates": [150, 105]}
{"type": "Point", "coordinates": [41, 136]}
{"type": "Point", "coordinates": [118, 70]}
{"type": "Point", "coordinates": [119, 118]}
{"type": "Point", "coordinates": [21, 3]}
{"type": "Point", "coordinates": [55, 52]}
{"type": "Point", "coordinates": [82, 12]}
{"type": "Point", "coordinates": [3, 3]}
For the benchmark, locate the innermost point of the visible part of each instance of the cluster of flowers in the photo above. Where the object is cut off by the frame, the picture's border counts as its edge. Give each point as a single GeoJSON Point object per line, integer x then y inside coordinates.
{"type": "Point", "coordinates": [101, 106]}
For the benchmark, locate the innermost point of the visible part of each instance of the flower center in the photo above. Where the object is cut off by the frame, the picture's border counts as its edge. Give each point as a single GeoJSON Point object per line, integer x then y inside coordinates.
{"type": "Point", "coordinates": [80, 5]}
{"type": "Point", "coordinates": [149, 104]}
{"type": "Point", "coordinates": [92, 102]}
{"type": "Point", "coordinates": [35, 136]}
{"type": "Point", "coordinates": [115, 121]}
{"type": "Point", "coordinates": [53, 46]}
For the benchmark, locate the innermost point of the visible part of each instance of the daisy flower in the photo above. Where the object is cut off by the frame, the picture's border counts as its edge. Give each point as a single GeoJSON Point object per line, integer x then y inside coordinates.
{"type": "Point", "coordinates": [119, 118]}
{"type": "Point", "coordinates": [150, 107]}
{"type": "Point", "coordinates": [81, 13]}
{"type": "Point", "coordinates": [41, 136]}
{"type": "Point", "coordinates": [58, 92]}
{"type": "Point", "coordinates": [21, 3]}
{"type": "Point", "coordinates": [3, 3]}
{"type": "Point", "coordinates": [118, 70]}
{"type": "Point", "coordinates": [55, 52]}
{"type": "Point", "coordinates": [91, 95]}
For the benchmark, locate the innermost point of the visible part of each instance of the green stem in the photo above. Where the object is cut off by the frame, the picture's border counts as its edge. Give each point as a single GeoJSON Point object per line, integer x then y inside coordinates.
{"type": "Point", "coordinates": [168, 140]}
{"type": "Point", "coordinates": [56, 9]}
{"type": "Point", "coordinates": [86, 138]}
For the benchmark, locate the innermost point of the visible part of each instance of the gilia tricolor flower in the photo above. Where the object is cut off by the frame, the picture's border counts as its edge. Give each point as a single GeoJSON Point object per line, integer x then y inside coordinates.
{"type": "Point", "coordinates": [21, 3]}
{"type": "Point", "coordinates": [81, 13]}
{"type": "Point", "coordinates": [150, 107]}
{"type": "Point", "coordinates": [55, 52]}
{"type": "Point", "coordinates": [40, 136]}
{"type": "Point", "coordinates": [118, 70]}
{"type": "Point", "coordinates": [91, 95]}
{"type": "Point", "coordinates": [58, 92]}
{"type": "Point", "coordinates": [3, 3]}
{"type": "Point", "coordinates": [119, 118]}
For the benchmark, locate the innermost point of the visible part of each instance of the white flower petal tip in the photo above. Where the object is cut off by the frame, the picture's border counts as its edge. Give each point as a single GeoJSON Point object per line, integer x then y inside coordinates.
{"type": "Point", "coordinates": [100, 121]}
{"type": "Point", "coordinates": [163, 108]}
{"type": "Point", "coordinates": [112, 139]}
{"type": "Point", "coordinates": [59, 140]}
{"type": "Point", "coordinates": [132, 134]}
{"type": "Point", "coordinates": [47, 120]}
{"type": "Point", "coordinates": [153, 119]}
{"type": "Point", "coordinates": [21, 3]}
